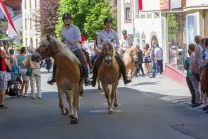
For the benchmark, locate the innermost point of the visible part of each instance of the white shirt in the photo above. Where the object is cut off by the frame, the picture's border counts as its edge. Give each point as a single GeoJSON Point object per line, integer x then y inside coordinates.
{"type": "Point", "coordinates": [70, 34]}
{"type": "Point", "coordinates": [111, 35]}
{"type": "Point", "coordinates": [158, 51]}
{"type": "Point", "coordinates": [126, 43]}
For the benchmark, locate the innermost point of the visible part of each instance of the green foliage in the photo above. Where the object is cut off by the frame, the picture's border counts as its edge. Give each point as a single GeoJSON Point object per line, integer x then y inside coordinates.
{"type": "Point", "coordinates": [95, 19]}
{"type": "Point", "coordinates": [2, 25]}
{"type": "Point", "coordinates": [172, 27]}
{"type": "Point", "coordinates": [88, 15]}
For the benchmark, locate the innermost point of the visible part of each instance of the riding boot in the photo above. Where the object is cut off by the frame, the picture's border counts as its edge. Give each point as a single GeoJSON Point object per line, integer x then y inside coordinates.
{"type": "Point", "coordinates": [95, 71]}
{"type": "Point", "coordinates": [52, 80]}
{"type": "Point", "coordinates": [122, 69]}
{"type": "Point", "coordinates": [87, 80]}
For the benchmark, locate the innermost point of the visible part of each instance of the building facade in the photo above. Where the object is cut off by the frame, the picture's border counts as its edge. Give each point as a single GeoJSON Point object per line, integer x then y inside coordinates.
{"type": "Point", "coordinates": [31, 36]}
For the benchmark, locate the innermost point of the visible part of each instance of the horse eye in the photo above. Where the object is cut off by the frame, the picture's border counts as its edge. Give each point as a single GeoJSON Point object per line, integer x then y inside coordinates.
{"type": "Point", "coordinates": [44, 45]}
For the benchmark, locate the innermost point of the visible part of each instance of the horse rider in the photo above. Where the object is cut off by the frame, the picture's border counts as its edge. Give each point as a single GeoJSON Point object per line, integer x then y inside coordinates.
{"type": "Point", "coordinates": [125, 42]}
{"type": "Point", "coordinates": [108, 33]}
{"type": "Point", "coordinates": [70, 35]}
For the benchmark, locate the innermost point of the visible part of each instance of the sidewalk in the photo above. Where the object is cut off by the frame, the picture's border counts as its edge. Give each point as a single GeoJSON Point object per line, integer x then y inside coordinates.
{"type": "Point", "coordinates": [163, 88]}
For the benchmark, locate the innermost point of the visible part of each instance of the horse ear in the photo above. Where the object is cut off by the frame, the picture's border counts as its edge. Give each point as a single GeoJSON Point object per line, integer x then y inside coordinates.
{"type": "Point", "coordinates": [101, 40]}
{"type": "Point", "coordinates": [112, 40]}
{"type": "Point", "coordinates": [48, 38]}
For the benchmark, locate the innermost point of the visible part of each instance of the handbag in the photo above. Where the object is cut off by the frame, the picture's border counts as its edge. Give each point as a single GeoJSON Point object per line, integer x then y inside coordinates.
{"type": "Point", "coordinates": [197, 76]}
{"type": "Point", "coordinates": [29, 70]}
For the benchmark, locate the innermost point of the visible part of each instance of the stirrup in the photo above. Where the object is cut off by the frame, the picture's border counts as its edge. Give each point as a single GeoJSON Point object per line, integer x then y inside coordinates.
{"type": "Point", "coordinates": [51, 81]}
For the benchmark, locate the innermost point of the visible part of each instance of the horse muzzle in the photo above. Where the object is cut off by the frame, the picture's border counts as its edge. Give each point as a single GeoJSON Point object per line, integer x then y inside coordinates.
{"type": "Point", "coordinates": [136, 58]}
{"type": "Point", "coordinates": [35, 57]}
{"type": "Point", "coordinates": [108, 60]}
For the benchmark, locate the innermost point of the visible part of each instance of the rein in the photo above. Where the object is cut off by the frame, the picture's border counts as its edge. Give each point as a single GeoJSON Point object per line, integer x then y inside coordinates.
{"type": "Point", "coordinates": [43, 54]}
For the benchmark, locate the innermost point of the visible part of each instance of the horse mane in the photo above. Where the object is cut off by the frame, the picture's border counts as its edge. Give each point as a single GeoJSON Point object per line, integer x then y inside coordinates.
{"type": "Point", "coordinates": [63, 47]}
{"type": "Point", "coordinates": [108, 42]}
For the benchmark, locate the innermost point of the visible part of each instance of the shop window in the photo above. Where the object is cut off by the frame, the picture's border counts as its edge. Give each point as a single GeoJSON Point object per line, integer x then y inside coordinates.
{"type": "Point", "coordinates": [25, 41]}
{"type": "Point", "coordinates": [25, 4]}
{"type": "Point", "coordinates": [149, 15]}
{"type": "Point", "coordinates": [176, 39]}
{"type": "Point", "coordinates": [142, 15]}
{"type": "Point", "coordinates": [156, 15]}
{"type": "Point", "coordinates": [128, 13]}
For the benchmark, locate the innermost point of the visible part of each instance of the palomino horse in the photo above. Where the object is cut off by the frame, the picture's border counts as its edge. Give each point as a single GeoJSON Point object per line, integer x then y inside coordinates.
{"type": "Point", "coordinates": [108, 74]}
{"type": "Point", "coordinates": [68, 75]}
{"type": "Point", "coordinates": [129, 58]}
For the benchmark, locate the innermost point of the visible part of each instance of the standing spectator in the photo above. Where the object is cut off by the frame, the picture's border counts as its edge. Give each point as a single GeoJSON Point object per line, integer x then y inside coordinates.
{"type": "Point", "coordinates": [36, 74]}
{"type": "Point", "coordinates": [159, 58]}
{"type": "Point", "coordinates": [3, 76]}
{"type": "Point", "coordinates": [189, 83]}
{"type": "Point", "coordinates": [16, 51]}
{"type": "Point", "coordinates": [193, 69]}
{"type": "Point", "coordinates": [125, 42]}
{"type": "Point", "coordinates": [198, 54]}
{"type": "Point", "coordinates": [138, 65]}
{"type": "Point", "coordinates": [25, 78]}
{"type": "Point", "coordinates": [13, 59]}
{"type": "Point", "coordinates": [154, 63]}
{"type": "Point", "coordinates": [204, 76]}
{"type": "Point", "coordinates": [147, 60]}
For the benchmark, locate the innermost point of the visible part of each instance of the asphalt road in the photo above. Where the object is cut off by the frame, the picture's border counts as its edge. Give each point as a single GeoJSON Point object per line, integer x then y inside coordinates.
{"type": "Point", "coordinates": [140, 115]}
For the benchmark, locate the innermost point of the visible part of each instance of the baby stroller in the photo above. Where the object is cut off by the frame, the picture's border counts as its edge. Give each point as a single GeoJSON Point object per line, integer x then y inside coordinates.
{"type": "Point", "coordinates": [15, 82]}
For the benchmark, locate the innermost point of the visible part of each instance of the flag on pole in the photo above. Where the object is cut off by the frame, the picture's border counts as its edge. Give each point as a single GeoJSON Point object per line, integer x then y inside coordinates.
{"type": "Point", "coordinates": [6, 13]}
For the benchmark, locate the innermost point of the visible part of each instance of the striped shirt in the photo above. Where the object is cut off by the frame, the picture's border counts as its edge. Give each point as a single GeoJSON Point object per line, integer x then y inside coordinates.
{"type": "Point", "coordinates": [111, 35]}
{"type": "Point", "coordinates": [70, 34]}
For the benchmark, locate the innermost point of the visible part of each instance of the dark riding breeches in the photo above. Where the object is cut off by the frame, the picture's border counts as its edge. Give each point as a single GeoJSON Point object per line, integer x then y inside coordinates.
{"type": "Point", "coordinates": [80, 54]}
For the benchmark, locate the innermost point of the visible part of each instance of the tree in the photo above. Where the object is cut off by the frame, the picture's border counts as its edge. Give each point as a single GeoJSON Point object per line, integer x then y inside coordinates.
{"type": "Point", "coordinates": [94, 21]}
{"type": "Point", "coordinates": [46, 17]}
{"type": "Point", "coordinates": [80, 10]}
{"type": "Point", "coordinates": [2, 25]}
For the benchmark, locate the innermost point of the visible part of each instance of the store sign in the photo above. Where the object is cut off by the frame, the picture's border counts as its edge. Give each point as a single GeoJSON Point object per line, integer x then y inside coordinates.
{"type": "Point", "coordinates": [164, 4]}
{"type": "Point", "coordinates": [175, 4]}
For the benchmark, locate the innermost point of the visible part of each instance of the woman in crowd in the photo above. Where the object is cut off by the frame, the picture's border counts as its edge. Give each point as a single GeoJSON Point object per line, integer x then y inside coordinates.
{"type": "Point", "coordinates": [147, 60]}
{"type": "Point", "coordinates": [25, 78]}
{"type": "Point", "coordinates": [3, 75]}
{"type": "Point", "coordinates": [204, 75]}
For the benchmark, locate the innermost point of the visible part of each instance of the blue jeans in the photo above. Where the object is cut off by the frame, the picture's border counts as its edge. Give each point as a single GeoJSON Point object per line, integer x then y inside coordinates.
{"type": "Point", "coordinates": [196, 89]}
{"type": "Point", "coordinates": [154, 68]}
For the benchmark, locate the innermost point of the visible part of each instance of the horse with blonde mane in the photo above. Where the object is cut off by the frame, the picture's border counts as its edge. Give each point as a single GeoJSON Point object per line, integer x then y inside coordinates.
{"type": "Point", "coordinates": [68, 76]}
{"type": "Point", "coordinates": [108, 74]}
{"type": "Point", "coordinates": [129, 58]}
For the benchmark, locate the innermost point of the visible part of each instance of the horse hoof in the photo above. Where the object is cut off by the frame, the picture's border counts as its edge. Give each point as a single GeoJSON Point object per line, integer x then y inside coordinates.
{"type": "Point", "coordinates": [66, 111]}
{"type": "Point", "coordinates": [110, 112]}
{"type": "Point", "coordinates": [115, 105]}
{"type": "Point", "coordinates": [74, 121]}
{"type": "Point", "coordinates": [71, 116]}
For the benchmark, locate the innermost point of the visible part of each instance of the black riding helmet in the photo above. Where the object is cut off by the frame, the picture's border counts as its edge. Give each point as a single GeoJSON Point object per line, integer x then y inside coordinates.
{"type": "Point", "coordinates": [66, 15]}
{"type": "Point", "coordinates": [107, 20]}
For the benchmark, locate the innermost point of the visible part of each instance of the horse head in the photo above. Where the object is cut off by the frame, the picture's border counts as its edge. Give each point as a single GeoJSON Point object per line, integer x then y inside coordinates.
{"type": "Point", "coordinates": [47, 47]}
{"type": "Point", "coordinates": [134, 53]}
{"type": "Point", "coordinates": [108, 50]}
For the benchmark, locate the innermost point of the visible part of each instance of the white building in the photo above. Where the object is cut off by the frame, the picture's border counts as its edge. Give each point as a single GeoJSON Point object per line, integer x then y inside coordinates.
{"type": "Point", "coordinates": [143, 27]}
{"type": "Point", "coordinates": [30, 36]}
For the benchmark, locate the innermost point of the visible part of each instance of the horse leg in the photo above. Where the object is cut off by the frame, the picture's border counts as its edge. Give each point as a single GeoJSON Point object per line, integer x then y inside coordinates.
{"type": "Point", "coordinates": [113, 91]}
{"type": "Point", "coordinates": [106, 90]}
{"type": "Point", "coordinates": [99, 86]}
{"type": "Point", "coordinates": [74, 119]}
{"type": "Point", "coordinates": [69, 96]}
{"type": "Point", "coordinates": [115, 99]}
{"type": "Point", "coordinates": [64, 111]}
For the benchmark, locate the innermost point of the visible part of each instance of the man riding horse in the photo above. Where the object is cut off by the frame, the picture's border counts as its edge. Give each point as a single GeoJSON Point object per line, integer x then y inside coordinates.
{"type": "Point", "coordinates": [125, 42]}
{"type": "Point", "coordinates": [70, 35]}
{"type": "Point", "coordinates": [108, 33]}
